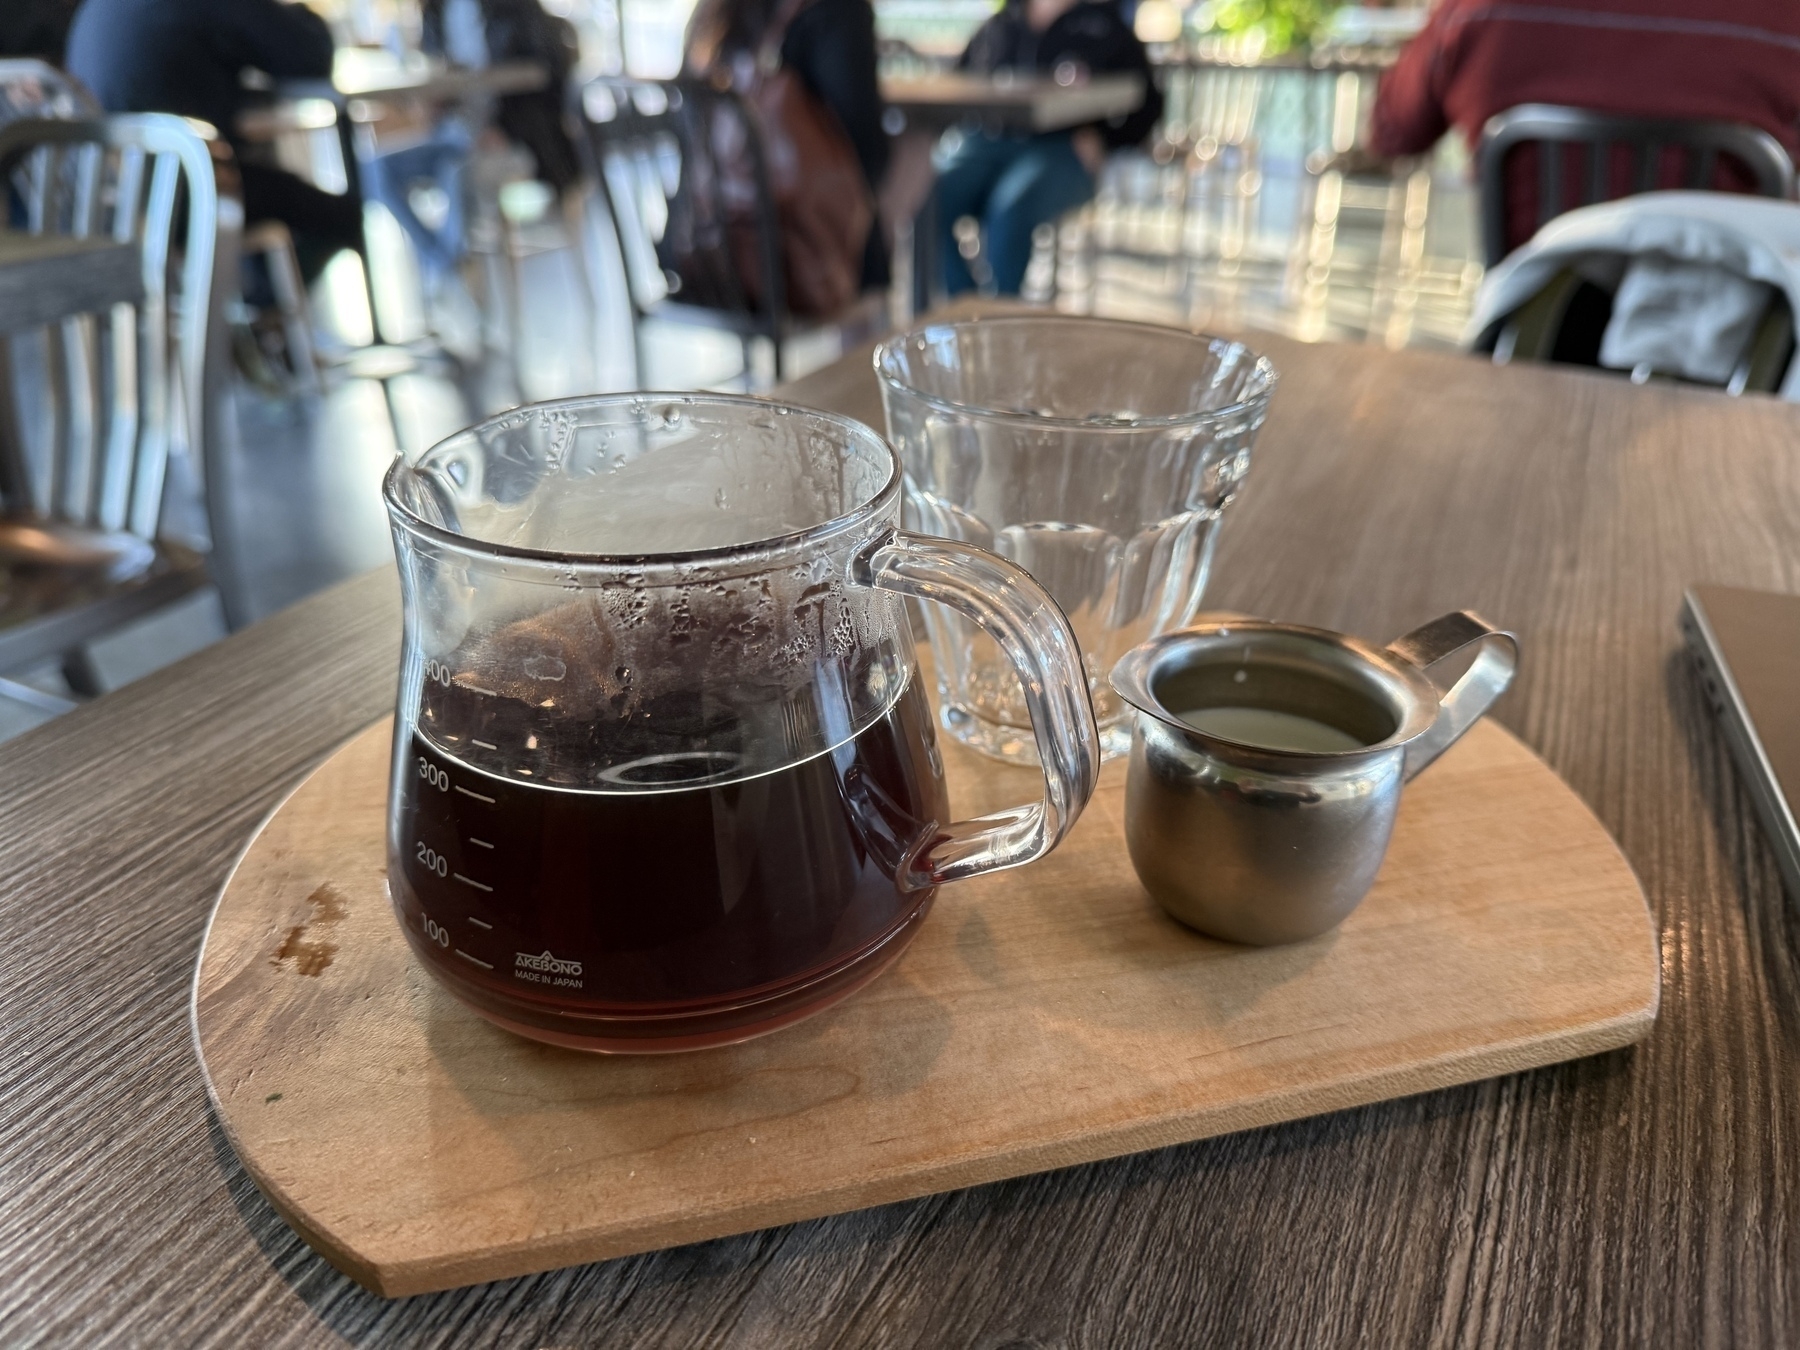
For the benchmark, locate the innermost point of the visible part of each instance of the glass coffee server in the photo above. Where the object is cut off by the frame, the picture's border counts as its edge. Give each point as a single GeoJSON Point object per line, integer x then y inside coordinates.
{"type": "Point", "coordinates": [664, 775]}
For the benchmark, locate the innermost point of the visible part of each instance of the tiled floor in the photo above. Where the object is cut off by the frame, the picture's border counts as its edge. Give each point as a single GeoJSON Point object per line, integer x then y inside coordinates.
{"type": "Point", "coordinates": [1241, 239]}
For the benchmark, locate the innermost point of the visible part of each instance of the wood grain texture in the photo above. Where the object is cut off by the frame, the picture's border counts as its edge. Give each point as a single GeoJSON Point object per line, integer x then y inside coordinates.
{"type": "Point", "coordinates": [1044, 1016]}
{"type": "Point", "coordinates": [1649, 1196]}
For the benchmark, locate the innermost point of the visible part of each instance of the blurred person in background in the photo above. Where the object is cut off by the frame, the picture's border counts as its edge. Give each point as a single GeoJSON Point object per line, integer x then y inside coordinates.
{"type": "Point", "coordinates": [37, 28]}
{"type": "Point", "coordinates": [830, 46]}
{"type": "Point", "coordinates": [437, 154]}
{"type": "Point", "coordinates": [1012, 183]}
{"type": "Point", "coordinates": [1717, 60]}
{"type": "Point", "coordinates": [188, 57]}
{"type": "Point", "coordinates": [478, 33]}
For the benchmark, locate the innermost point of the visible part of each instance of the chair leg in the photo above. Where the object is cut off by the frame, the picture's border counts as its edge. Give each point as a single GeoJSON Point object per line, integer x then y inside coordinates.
{"type": "Point", "coordinates": [15, 476]}
{"type": "Point", "coordinates": [272, 241]}
{"type": "Point", "coordinates": [31, 697]}
{"type": "Point", "coordinates": [575, 226]}
{"type": "Point", "coordinates": [639, 362]}
{"type": "Point", "coordinates": [296, 316]}
{"type": "Point", "coordinates": [515, 302]}
{"type": "Point", "coordinates": [82, 675]}
{"type": "Point", "coordinates": [393, 409]}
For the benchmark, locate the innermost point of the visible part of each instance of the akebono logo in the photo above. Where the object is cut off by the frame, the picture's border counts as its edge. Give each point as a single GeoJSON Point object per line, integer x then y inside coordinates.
{"type": "Point", "coordinates": [545, 962]}
{"type": "Point", "coordinates": [545, 968]}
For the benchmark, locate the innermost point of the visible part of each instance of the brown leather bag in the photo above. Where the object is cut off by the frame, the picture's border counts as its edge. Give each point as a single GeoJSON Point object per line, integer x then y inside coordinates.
{"type": "Point", "coordinates": [822, 202]}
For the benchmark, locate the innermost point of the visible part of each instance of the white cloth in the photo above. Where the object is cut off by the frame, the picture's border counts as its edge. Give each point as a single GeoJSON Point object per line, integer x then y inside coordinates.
{"type": "Point", "coordinates": [1692, 319]}
{"type": "Point", "coordinates": [1755, 238]}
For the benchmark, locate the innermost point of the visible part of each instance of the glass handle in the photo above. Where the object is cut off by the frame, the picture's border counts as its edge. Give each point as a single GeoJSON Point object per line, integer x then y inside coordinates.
{"type": "Point", "coordinates": [1474, 693]}
{"type": "Point", "coordinates": [1019, 615]}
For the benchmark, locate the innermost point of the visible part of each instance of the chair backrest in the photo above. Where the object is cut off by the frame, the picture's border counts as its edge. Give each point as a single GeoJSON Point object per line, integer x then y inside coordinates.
{"type": "Point", "coordinates": [122, 391]}
{"type": "Point", "coordinates": [1586, 157]}
{"type": "Point", "coordinates": [33, 89]}
{"type": "Point", "coordinates": [653, 149]}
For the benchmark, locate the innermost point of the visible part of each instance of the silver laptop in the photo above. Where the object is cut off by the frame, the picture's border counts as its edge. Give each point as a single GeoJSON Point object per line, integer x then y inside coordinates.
{"type": "Point", "coordinates": [1747, 646]}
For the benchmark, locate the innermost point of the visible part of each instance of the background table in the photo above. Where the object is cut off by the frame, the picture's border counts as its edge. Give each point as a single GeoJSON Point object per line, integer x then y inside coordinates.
{"type": "Point", "coordinates": [1644, 1197]}
{"type": "Point", "coordinates": [360, 72]}
{"type": "Point", "coordinates": [379, 77]}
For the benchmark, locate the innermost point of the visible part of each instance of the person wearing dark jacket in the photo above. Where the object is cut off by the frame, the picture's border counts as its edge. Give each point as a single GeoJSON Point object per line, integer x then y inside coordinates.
{"type": "Point", "coordinates": [1014, 183]}
{"type": "Point", "coordinates": [830, 45]}
{"type": "Point", "coordinates": [188, 57]}
{"type": "Point", "coordinates": [37, 28]}
{"type": "Point", "coordinates": [515, 30]}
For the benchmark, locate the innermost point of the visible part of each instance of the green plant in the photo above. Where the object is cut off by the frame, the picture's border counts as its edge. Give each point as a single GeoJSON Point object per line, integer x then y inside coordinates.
{"type": "Point", "coordinates": [1282, 23]}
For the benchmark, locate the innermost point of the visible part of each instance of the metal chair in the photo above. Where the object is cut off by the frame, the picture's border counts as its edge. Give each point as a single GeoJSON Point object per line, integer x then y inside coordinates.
{"type": "Point", "coordinates": [124, 390]}
{"type": "Point", "coordinates": [274, 242]}
{"type": "Point", "coordinates": [1566, 320]}
{"type": "Point", "coordinates": [1586, 157]}
{"type": "Point", "coordinates": [647, 146]}
{"type": "Point", "coordinates": [36, 90]}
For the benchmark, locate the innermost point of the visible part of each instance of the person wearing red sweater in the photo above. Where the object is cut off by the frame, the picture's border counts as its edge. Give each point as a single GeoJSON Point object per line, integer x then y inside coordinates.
{"type": "Point", "coordinates": [1718, 60]}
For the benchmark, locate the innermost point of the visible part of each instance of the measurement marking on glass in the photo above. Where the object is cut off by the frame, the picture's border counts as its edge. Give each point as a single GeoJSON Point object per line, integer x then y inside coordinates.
{"type": "Point", "coordinates": [479, 843]}
{"type": "Point", "coordinates": [476, 959]}
{"type": "Point", "coordinates": [483, 744]}
{"type": "Point", "coordinates": [470, 881]}
{"type": "Point", "coordinates": [479, 924]}
{"type": "Point", "coordinates": [476, 795]}
{"type": "Point", "coordinates": [477, 689]}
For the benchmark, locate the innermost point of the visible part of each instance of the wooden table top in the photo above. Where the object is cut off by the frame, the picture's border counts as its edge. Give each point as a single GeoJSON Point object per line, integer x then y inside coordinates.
{"type": "Point", "coordinates": [44, 278]}
{"type": "Point", "coordinates": [362, 72]}
{"type": "Point", "coordinates": [1643, 1197]}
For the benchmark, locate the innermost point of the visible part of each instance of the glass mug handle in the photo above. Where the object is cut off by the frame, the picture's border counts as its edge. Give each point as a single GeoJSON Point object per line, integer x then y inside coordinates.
{"type": "Point", "coordinates": [1474, 693]}
{"type": "Point", "coordinates": [1019, 615]}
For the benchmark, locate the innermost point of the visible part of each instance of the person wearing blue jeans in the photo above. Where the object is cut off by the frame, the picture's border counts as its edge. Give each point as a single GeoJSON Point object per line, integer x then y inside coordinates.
{"type": "Point", "coordinates": [1013, 184]}
{"type": "Point", "coordinates": [441, 160]}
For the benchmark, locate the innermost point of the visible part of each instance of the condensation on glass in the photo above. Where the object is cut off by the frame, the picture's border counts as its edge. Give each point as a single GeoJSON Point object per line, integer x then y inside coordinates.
{"type": "Point", "coordinates": [664, 775]}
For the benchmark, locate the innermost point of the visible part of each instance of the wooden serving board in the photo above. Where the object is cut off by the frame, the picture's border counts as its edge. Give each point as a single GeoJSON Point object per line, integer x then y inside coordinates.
{"type": "Point", "coordinates": [1045, 1016]}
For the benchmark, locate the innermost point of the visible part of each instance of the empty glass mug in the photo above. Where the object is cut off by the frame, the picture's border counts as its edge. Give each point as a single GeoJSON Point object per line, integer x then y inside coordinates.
{"type": "Point", "coordinates": [1096, 455]}
{"type": "Point", "coordinates": [664, 775]}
